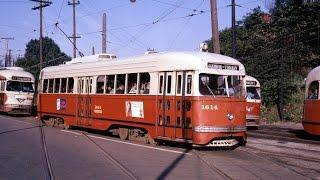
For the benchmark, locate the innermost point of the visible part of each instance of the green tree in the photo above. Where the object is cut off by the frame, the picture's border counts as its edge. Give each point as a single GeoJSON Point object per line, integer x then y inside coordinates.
{"type": "Point", "coordinates": [292, 35]}
{"type": "Point", "coordinates": [52, 56]}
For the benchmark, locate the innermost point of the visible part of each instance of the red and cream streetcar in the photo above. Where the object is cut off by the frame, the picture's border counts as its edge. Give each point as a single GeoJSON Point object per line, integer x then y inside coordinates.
{"type": "Point", "coordinates": [189, 97]}
{"type": "Point", "coordinates": [253, 101]}
{"type": "Point", "coordinates": [16, 90]}
{"type": "Point", "coordinates": [311, 115]}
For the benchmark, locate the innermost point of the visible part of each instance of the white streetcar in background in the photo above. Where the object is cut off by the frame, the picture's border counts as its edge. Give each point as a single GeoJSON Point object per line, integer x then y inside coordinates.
{"type": "Point", "coordinates": [16, 90]}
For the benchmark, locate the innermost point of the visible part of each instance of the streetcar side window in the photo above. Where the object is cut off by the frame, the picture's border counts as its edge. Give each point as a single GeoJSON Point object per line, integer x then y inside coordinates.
{"type": "Point", "coordinates": [121, 79]}
{"type": "Point", "coordinates": [100, 84]}
{"type": "Point", "coordinates": [50, 86]}
{"type": "Point", "coordinates": [161, 84]}
{"type": "Point", "coordinates": [63, 85]}
{"type": "Point", "coordinates": [110, 84]}
{"type": "Point", "coordinates": [144, 83]}
{"type": "Point", "coordinates": [189, 84]}
{"type": "Point", "coordinates": [56, 85]}
{"type": "Point", "coordinates": [90, 82]}
{"type": "Point", "coordinates": [70, 85]}
{"type": "Point", "coordinates": [132, 87]}
{"type": "Point", "coordinates": [313, 90]}
{"type": "Point", "coordinates": [45, 86]}
{"type": "Point", "coordinates": [169, 84]}
{"type": "Point", "coordinates": [179, 83]}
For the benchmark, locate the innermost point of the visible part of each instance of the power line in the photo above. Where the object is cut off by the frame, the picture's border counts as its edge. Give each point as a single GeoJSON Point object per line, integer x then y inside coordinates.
{"type": "Point", "coordinates": [157, 20]}
{"type": "Point", "coordinates": [183, 27]}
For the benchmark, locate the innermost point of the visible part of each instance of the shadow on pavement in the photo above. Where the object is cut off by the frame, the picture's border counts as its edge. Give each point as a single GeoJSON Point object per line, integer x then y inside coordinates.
{"type": "Point", "coordinates": [304, 135]}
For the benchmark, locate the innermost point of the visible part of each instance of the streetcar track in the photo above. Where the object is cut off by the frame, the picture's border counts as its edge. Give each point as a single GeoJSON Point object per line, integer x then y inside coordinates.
{"type": "Point", "coordinates": [283, 147]}
{"type": "Point", "coordinates": [45, 153]}
{"type": "Point", "coordinates": [287, 155]}
{"type": "Point", "coordinates": [20, 129]}
{"type": "Point", "coordinates": [278, 162]}
{"type": "Point", "coordinates": [122, 167]}
{"type": "Point", "coordinates": [212, 168]}
{"type": "Point", "coordinates": [282, 138]}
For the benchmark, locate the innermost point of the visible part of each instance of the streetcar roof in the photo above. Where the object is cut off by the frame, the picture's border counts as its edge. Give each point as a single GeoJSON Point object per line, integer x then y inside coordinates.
{"type": "Point", "coordinates": [8, 73]}
{"type": "Point", "coordinates": [314, 75]}
{"type": "Point", "coordinates": [167, 61]}
{"type": "Point", "coordinates": [253, 79]}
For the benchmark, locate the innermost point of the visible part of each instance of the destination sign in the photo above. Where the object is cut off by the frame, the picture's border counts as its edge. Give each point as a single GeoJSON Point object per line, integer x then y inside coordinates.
{"type": "Point", "coordinates": [223, 66]}
{"type": "Point", "coordinates": [251, 83]}
{"type": "Point", "coordinates": [18, 78]}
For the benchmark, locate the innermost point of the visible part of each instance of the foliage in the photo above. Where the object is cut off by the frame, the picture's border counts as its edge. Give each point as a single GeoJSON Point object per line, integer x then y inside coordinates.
{"type": "Point", "coordinates": [292, 36]}
{"type": "Point", "coordinates": [52, 55]}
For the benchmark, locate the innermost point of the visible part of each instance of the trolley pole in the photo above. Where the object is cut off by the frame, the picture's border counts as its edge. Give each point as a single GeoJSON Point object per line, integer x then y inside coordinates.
{"type": "Point", "coordinates": [104, 33]}
{"type": "Point", "coordinates": [42, 4]}
{"type": "Point", "coordinates": [73, 4]}
{"type": "Point", "coordinates": [214, 27]}
{"type": "Point", "coordinates": [234, 35]}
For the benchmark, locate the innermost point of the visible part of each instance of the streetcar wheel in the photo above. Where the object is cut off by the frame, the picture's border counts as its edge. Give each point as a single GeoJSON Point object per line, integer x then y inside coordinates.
{"type": "Point", "coordinates": [123, 133]}
{"type": "Point", "coordinates": [50, 122]}
{"type": "Point", "coordinates": [66, 126]}
{"type": "Point", "coordinates": [150, 140]}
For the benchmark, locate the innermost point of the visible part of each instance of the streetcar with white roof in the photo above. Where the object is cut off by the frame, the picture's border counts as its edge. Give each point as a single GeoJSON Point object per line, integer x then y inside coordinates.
{"type": "Point", "coordinates": [185, 97]}
{"type": "Point", "coordinates": [253, 96]}
{"type": "Point", "coordinates": [16, 90]}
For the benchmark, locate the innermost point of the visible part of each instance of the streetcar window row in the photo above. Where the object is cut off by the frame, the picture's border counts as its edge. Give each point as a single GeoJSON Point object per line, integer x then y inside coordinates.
{"type": "Point", "coordinates": [133, 83]}
{"type": "Point", "coordinates": [58, 85]}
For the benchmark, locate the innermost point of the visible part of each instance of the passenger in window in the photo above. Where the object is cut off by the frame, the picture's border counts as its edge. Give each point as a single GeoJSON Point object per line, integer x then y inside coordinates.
{"type": "Point", "coordinates": [231, 90]}
{"type": "Point", "coordinates": [133, 89]}
{"type": "Point", "coordinates": [100, 89]}
{"type": "Point", "coordinates": [109, 90]}
{"type": "Point", "coordinates": [120, 89]}
{"type": "Point", "coordinates": [250, 95]}
{"type": "Point", "coordinates": [204, 90]}
{"type": "Point", "coordinates": [313, 94]}
{"type": "Point", "coordinates": [71, 90]}
{"type": "Point", "coordinates": [147, 88]}
{"type": "Point", "coordinates": [63, 89]}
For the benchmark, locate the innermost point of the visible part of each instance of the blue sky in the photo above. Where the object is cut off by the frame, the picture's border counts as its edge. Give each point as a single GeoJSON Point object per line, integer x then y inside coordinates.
{"type": "Point", "coordinates": [129, 25]}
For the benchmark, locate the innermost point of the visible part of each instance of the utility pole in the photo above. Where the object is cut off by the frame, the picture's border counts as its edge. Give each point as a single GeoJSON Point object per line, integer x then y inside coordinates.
{"type": "Point", "coordinates": [9, 58]}
{"type": "Point", "coordinates": [234, 40]}
{"type": "Point", "coordinates": [104, 33]}
{"type": "Point", "coordinates": [73, 4]}
{"type": "Point", "coordinates": [214, 27]}
{"type": "Point", "coordinates": [6, 57]}
{"type": "Point", "coordinates": [42, 4]}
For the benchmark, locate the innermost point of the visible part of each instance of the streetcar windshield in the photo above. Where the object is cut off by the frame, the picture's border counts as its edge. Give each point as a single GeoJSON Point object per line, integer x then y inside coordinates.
{"type": "Point", "coordinates": [20, 86]}
{"type": "Point", "coordinates": [253, 93]}
{"type": "Point", "coordinates": [220, 85]}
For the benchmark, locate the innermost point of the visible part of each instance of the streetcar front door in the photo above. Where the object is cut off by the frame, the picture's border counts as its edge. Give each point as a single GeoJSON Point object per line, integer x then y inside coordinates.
{"type": "Point", "coordinates": [165, 109]}
{"type": "Point", "coordinates": [182, 124]}
{"type": "Point", "coordinates": [84, 105]}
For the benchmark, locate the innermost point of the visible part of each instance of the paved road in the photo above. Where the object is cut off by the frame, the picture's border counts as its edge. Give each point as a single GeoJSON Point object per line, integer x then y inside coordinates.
{"type": "Point", "coordinates": [74, 156]}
